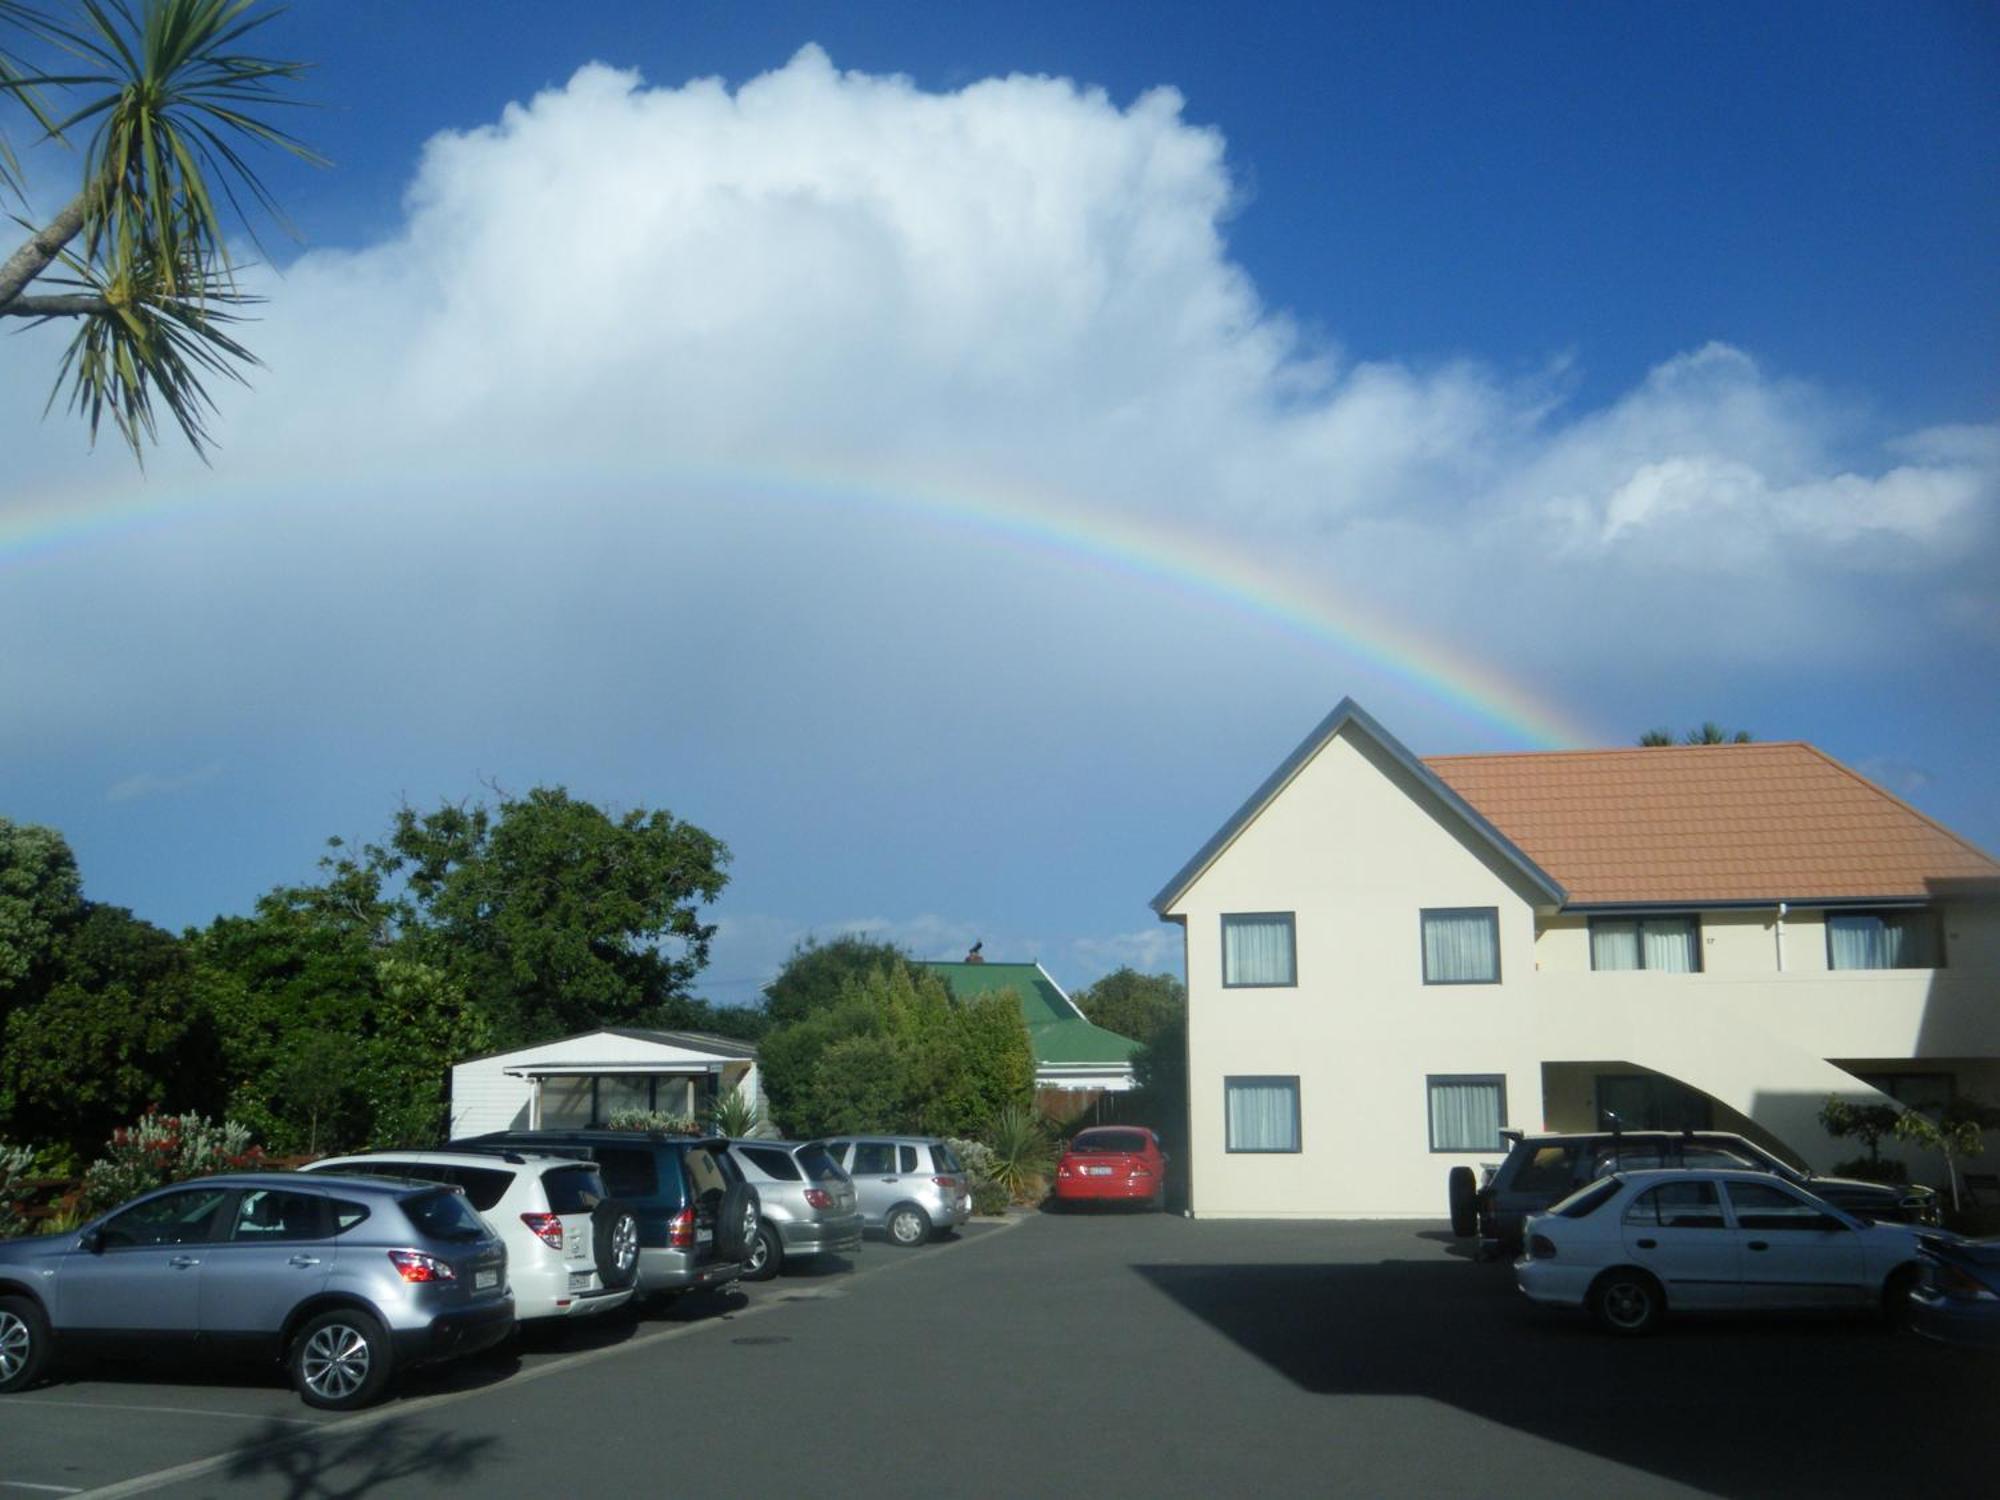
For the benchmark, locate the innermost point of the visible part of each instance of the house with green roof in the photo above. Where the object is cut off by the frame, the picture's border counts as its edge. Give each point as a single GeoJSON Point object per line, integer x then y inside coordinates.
{"type": "Point", "coordinates": [1071, 1054]}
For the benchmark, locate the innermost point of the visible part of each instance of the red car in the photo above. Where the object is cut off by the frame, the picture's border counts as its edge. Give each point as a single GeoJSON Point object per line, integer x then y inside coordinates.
{"type": "Point", "coordinates": [1113, 1164]}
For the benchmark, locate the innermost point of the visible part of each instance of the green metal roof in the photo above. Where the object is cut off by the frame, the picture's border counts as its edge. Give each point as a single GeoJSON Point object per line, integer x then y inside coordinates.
{"type": "Point", "coordinates": [1057, 1030]}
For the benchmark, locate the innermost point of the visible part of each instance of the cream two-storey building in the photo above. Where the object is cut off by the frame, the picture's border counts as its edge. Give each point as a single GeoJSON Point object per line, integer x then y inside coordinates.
{"type": "Point", "coordinates": [1390, 960]}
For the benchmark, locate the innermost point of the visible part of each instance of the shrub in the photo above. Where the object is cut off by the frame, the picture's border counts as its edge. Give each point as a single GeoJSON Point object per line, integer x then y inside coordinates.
{"type": "Point", "coordinates": [990, 1198]}
{"type": "Point", "coordinates": [16, 1165]}
{"type": "Point", "coordinates": [1872, 1169]}
{"type": "Point", "coordinates": [737, 1117]}
{"type": "Point", "coordinates": [976, 1158]}
{"type": "Point", "coordinates": [649, 1119]}
{"type": "Point", "coordinates": [160, 1149]}
{"type": "Point", "coordinates": [1021, 1155]}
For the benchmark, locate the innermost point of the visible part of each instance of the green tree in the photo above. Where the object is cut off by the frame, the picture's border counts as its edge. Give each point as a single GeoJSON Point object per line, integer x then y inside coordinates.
{"type": "Point", "coordinates": [139, 257]}
{"type": "Point", "coordinates": [558, 916]}
{"type": "Point", "coordinates": [119, 1030]}
{"type": "Point", "coordinates": [814, 976]}
{"type": "Point", "coordinates": [1160, 1085]}
{"type": "Point", "coordinates": [1709, 733]}
{"type": "Point", "coordinates": [41, 897]}
{"type": "Point", "coordinates": [894, 1052]}
{"type": "Point", "coordinates": [1132, 1004]}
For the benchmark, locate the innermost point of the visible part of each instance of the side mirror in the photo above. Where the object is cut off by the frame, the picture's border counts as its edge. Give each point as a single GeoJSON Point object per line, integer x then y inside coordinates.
{"type": "Point", "coordinates": [91, 1241]}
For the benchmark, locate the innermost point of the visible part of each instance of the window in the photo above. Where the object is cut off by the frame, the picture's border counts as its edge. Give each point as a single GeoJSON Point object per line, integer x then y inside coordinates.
{"type": "Point", "coordinates": [1462, 945]}
{"type": "Point", "coordinates": [819, 1164]}
{"type": "Point", "coordinates": [774, 1162]}
{"type": "Point", "coordinates": [1467, 1112]}
{"type": "Point", "coordinates": [628, 1173]}
{"type": "Point", "coordinates": [183, 1218]}
{"type": "Point", "coordinates": [1677, 1205]}
{"type": "Point", "coordinates": [876, 1158]}
{"type": "Point", "coordinates": [573, 1190]}
{"type": "Point", "coordinates": [1551, 1170]}
{"type": "Point", "coordinates": [265, 1215]}
{"type": "Point", "coordinates": [1883, 940]}
{"type": "Point", "coordinates": [907, 1158]}
{"type": "Point", "coordinates": [1770, 1208]}
{"type": "Point", "coordinates": [444, 1216]}
{"type": "Point", "coordinates": [945, 1159]}
{"type": "Point", "coordinates": [1586, 1201]}
{"type": "Point", "coordinates": [1259, 949]}
{"type": "Point", "coordinates": [1261, 1114]}
{"type": "Point", "coordinates": [1669, 945]}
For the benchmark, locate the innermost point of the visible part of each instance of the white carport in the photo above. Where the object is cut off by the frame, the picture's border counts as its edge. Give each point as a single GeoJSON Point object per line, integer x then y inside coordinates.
{"type": "Point", "coordinates": [585, 1079]}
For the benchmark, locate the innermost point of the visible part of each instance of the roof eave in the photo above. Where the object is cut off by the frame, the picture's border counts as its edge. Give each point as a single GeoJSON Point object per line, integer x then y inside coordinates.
{"type": "Point", "coordinates": [1347, 712]}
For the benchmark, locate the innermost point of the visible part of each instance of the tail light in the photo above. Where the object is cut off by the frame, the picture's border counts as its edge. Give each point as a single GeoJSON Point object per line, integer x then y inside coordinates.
{"type": "Point", "coordinates": [1140, 1169]}
{"type": "Point", "coordinates": [944, 1182]}
{"type": "Point", "coordinates": [680, 1230]}
{"type": "Point", "coordinates": [414, 1265]}
{"type": "Point", "coordinates": [1062, 1168]}
{"type": "Point", "coordinates": [819, 1198]}
{"type": "Point", "coordinates": [1957, 1285]}
{"type": "Point", "coordinates": [547, 1228]}
{"type": "Point", "coordinates": [1541, 1247]}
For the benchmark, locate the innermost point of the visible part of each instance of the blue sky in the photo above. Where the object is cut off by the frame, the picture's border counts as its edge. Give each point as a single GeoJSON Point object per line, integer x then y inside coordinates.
{"type": "Point", "coordinates": [1638, 360]}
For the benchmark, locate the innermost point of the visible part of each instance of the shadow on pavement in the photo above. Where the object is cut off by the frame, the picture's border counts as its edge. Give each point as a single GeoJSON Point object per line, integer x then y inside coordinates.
{"type": "Point", "coordinates": [1741, 1408]}
{"type": "Point", "coordinates": [390, 1458]}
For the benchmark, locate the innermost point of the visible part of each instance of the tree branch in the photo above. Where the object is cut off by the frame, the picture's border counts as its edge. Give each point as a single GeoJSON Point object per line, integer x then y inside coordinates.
{"type": "Point", "coordinates": [82, 304]}
{"type": "Point", "coordinates": [40, 251]}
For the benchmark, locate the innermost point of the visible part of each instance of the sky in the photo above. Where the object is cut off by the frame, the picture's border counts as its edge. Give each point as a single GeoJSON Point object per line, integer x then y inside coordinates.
{"type": "Point", "coordinates": [952, 454]}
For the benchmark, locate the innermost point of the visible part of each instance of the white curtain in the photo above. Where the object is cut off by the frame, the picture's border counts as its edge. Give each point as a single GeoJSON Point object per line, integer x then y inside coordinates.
{"type": "Point", "coordinates": [1881, 940]}
{"type": "Point", "coordinates": [1263, 1116]}
{"type": "Point", "coordinates": [1614, 944]}
{"type": "Point", "coordinates": [1461, 946]}
{"type": "Point", "coordinates": [1465, 1116]}
{"type": "Point", "coordinates": [1257, 950]}
{"type": "Point", "coordinates": [1670, 944]}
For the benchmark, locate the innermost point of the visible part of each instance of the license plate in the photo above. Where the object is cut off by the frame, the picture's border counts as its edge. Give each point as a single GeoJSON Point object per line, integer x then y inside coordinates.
{"type": "Point", "coordinates": [481, 1280]}
{"type": "Point", "coordinates": [704, 1236]}
{"type": "Point", "coordinates": [1097, 1171]}
{"type": "Point", "coordinates": [578, 1279]}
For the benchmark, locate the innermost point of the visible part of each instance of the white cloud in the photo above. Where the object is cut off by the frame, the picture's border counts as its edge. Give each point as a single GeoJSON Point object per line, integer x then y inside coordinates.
{"type": "Point", "coordinates": [503, 491]}
{"type": "Point", "coordinates": [154, 784]}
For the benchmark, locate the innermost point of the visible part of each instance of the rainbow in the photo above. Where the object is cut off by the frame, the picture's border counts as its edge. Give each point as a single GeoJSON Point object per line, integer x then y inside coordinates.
{"type": "Point", "coordinates": [1167, 555]}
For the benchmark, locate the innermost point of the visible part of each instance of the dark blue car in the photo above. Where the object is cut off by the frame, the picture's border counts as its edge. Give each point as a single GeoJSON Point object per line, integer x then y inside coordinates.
{"type": "Point", "coordinates": [1957, 1299]}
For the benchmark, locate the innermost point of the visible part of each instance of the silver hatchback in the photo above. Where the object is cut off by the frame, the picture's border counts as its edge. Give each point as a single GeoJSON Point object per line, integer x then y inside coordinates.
{"type": "Point", "coordinates": [910, 1186]}
{"type": "Point", "coordinates": [343, 1279]}
{"type": "Point", "coordinates": [807, 1203]}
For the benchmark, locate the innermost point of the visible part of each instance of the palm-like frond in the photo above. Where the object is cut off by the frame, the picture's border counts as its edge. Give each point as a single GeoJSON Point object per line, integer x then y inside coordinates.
{"type": "Point", "coordinates": [159, 335]}
{"type": "Point", "coordinates": [179, 104]}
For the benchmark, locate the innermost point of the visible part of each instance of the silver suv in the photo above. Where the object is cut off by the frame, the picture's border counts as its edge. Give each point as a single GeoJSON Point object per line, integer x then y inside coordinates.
{"type": "Point", "coordinates": [341, 1279]}
{"type": "Point", "coordinates": [806, 1203]}
{"type": "Point", "coordinates": [572, 1249]}
{"type": "Point", "coordinates": [912, 1186]}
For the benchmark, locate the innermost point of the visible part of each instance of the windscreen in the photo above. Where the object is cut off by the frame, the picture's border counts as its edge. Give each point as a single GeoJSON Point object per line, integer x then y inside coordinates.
{"type": "Point", "coordinates": [1120, 1142]}
{"type": "Point", "coordinates": [444, 1216]}
{"type": "Point", "coordinates": [819, 1164]}
{"type": "Point", "coordinates": [573, 1190]}
{"type": "Point", "coordinates": [1584, 1202]}
{"type": "Point", "coordinates": [774, 1161]}
{"type": "Point", "coordinates": [946, 1158]}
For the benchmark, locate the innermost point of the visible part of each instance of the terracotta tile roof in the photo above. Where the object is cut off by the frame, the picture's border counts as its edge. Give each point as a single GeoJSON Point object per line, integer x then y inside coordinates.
{"type": "Point", "coordinates": [1710, 823]}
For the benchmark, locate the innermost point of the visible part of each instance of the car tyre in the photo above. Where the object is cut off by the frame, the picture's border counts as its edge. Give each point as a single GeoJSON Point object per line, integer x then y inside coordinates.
{"type": "Point", "coordinates": [767, 1255]}
{"type": "Point", "coordinates": [25, 1343]}
{"type": "Point", "coordinates": [1462, 1192]}
{"type": "Point", "coordinates": [341, 1360]}
{"type": "Point", "coordinates": [736, 1222]}
{"type": "Point", "coordinates": [908, 1225]}
{"type": "Point", "coordinates": [614, 1239]}
{"type": "Point", "coordinates": [1627, 1302]}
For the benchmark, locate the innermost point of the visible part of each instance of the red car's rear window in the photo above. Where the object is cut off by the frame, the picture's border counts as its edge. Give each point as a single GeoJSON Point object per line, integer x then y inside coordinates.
{"type": "Point", "coordinates": [1120, 1142]}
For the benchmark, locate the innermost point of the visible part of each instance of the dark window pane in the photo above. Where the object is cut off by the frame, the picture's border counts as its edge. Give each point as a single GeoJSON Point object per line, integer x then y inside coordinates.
{"type": "Point", "coordinates": [819, 1164]}
{"type": "Point", "coordinates": [185, 1218]}
{"type": "Point", "coordinates": [945, 1158]}
{"type": "Point", "coordinates": [873, 1158]}
{"type": "Point", "coordinates": [346, 1215]}
{"type": "Point", "coordinates": [909, 1157]}
{"type": "Point", "coordinates": [1771, 1208]}
{"type": "Point", "coordinates": [705, 1172]}
{"type": "Point", "coordinates": [573, 1190]}
{"type": "Point", "coordinates": [1122, 1142]}
{"type": "Point", "coordinates": [773, 1161]}
{"type": "Point", "coordinates": [1552, 1169]}
{"type": "Point", "coordinates": [1584, 1202]}
{"type": "Point", "coordinates": [446, 1216]}
{"type": "Point", "coordinates": [266, 1215]}
{"type": "Point", "coordinates": [629, 1173]}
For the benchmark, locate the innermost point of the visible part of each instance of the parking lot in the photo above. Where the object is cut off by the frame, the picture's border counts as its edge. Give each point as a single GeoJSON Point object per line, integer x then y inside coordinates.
{"type": "Point", "coordinates": [1103, 1354]}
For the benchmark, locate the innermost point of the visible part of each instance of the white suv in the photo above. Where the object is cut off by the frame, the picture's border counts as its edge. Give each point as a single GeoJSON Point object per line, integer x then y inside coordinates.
{"type": "Point", "coordinates": [572, 1250]}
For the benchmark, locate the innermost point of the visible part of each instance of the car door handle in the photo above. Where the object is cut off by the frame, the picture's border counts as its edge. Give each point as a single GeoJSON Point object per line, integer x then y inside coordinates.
{"type": "Point", "coordinates": [1756, 1245]}
{"type": "Point", "coordinates": [304, 1260]}
{"type": "Point", "coordinates": [1649, 1244]}
{"type": "Point", "coordinates": [892, 1179]}
{"type": "Point", "coordinates": [183, 1262]}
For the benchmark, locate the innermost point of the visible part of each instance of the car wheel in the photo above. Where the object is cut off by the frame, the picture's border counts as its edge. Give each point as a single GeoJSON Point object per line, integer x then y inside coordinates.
{"type": "Point", "coordinates": [1462, 1191]}
{"type": "Point", "coordinates": [736, 1222]}
{"type": "Point", "coordinates": [25, 1343]}
{"type": "Point", "coordinates": [1895, 1298]}
{"type": "Point", "coordinates": [341, 1360]}
{"type": "Point", "coordinates": [766, 1255]}
{"type": "Point", "coordinates": [1627, 1302]}
{"type": "Point", "coordinates": [909, 1225]}
{"type": "Point", "coordinates": [614, 1238]}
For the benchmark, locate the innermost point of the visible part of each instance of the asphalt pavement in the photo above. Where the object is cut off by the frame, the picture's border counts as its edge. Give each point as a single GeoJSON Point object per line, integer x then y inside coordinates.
{"type": "Point", "coordinates": [1102, 1354]}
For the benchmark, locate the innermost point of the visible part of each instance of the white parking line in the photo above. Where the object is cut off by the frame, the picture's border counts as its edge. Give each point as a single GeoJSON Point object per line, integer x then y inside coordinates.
{"type": "Point", "coordinates": [168, 1411]}
{"type": "Point", "coordinates": [146, 1483]}
{"type": "Point", "coordinates": [44, 1489]}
